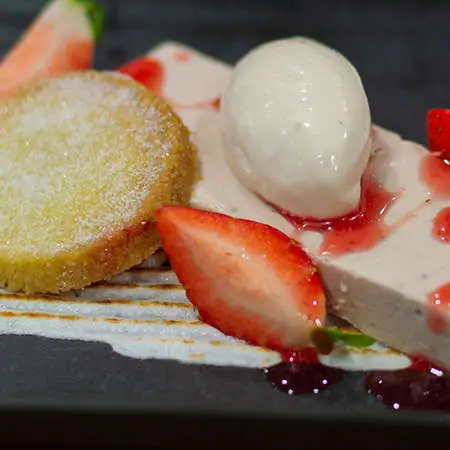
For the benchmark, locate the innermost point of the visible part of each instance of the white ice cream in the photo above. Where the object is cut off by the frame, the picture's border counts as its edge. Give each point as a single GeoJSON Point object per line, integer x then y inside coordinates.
{"type": "Point", "coordinates": [296, 126]}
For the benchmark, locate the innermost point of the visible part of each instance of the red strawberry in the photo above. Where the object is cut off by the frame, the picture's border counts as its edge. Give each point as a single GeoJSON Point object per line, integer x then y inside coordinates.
{"type": "Point", "coordinates": [438, 129]}
{"type": "Point", "coordinates": [147, 71]}
{"type": "Point", "coordinates": [247, 279]}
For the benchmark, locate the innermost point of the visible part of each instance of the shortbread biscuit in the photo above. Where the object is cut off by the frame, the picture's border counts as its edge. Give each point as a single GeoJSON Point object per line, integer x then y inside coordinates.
{"type": "Point", "coordinates": [85, 160]}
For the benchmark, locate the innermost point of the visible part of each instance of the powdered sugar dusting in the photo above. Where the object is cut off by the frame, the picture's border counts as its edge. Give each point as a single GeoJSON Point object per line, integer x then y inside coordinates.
{"type": "Point", "coordinates": [69, 152]}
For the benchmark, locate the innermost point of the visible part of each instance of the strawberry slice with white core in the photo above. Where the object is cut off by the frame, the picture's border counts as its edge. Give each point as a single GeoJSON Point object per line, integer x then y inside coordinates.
{"type": "Point", "coordinates": [246, 279]}
{"type": "Point", "coordinates": [61, 39]}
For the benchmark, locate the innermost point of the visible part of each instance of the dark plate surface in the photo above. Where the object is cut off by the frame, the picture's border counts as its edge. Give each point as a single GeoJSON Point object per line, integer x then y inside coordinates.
{"type": "Point", "coordinates": [401, 51]}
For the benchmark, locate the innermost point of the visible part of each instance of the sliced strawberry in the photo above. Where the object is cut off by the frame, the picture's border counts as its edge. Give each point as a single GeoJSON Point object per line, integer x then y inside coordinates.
{"type": "Point", "coordinates": [438, 130]}
{"type": "Point", "coordinates": [147, 71]}
{"type": "Point", "coordinates": [247, 279]}
{"type": "Point", "coordinates": [60, 40]}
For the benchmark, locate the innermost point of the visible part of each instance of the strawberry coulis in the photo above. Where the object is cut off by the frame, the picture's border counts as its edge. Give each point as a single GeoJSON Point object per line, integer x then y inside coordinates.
{"type": "Point", "coordinates": [438, 306]}
{"type": "Point", "coordinates": [435, 173]}
{"type": "Point", "coordinates": [422, 386]}
{"type": "Point", "coordinates": [300, 372]}
{"type": "Point", "coordinates": [356, 232]}
{"type": "Point", "coordinates": [209, 104]}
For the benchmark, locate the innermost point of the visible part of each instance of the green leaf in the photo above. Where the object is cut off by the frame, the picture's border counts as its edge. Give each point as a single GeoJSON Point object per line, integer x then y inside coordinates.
{"type": "Point", "coordinates": [324, 338]}
{"type": "Point", "coordinates": [95, 14]}
{"type": "Point", "coordinates": [350, 337]}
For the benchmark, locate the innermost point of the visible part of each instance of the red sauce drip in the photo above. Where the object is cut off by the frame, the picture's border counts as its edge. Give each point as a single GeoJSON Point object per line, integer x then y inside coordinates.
{"type": "Point", "coordinates": [209, 104]}
{"type": "Point", "coordinates": [423, 386]}
{"type": "Point", "coordinates": [307, 355]}
{"type": "Point", "coordinates": [441, 225]}
{"type": "Point", "coordinates": [421, 363]}
{"type": "Point", "coordinates": [147, 71]}
{"type": "Point", "coordinates": [182, 56]}
{"type": "Point", "coordinates": [438, 304]}
{"type": "Point", "coordinates": [301, 373]}
{"type": "Point", "coordinates": [216, 103]}
{"type": "Point", "coordinates": [355, 232]}
{"type": "Point", "coordinates": [435, 173]}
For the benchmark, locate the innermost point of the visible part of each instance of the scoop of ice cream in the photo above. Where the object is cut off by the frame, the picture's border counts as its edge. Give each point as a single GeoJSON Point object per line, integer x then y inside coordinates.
{"type": "Point", "coordinates": [296, 124]}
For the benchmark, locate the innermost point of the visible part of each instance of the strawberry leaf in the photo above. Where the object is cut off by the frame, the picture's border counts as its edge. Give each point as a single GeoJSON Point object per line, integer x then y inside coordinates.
{"type": "Point", "coordinates": [324, 339]}
{"type": "Point", "coordinates": [95, 14]}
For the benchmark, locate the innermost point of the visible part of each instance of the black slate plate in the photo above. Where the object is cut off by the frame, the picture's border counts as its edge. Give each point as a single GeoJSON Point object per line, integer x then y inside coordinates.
{"type": "Point", "coordinates": [74, 392]}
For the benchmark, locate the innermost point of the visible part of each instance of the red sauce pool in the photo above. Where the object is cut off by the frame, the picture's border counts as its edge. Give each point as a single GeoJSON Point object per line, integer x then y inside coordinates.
{"type": "Point", "coordinates": [438, 305]}
{"type": "Point", "coordinates": [209, 104]}
{"type": "Point", "coordinates": [423, 386]}
{"type": "Point", "coordinates": [435, 173]}
{"type": "Point", "coordinates": [182, 56]}
{"type": "Point", "coordinates": [356, 232]}
{"type": "Point", "coordinates": [301, 373]}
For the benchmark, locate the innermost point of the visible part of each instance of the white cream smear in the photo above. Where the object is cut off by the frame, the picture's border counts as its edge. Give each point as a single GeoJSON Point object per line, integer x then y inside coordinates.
{"type": "Point", "coordinates": [143, 313]}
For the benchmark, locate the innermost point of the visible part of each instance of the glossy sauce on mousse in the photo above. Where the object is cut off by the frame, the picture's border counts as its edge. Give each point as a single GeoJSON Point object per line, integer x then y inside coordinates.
{"type": "Point", "coordinates": [357, 231]}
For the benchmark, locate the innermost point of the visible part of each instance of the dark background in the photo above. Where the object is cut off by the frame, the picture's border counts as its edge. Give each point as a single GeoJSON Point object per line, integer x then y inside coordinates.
{"type": "Point", "coordinates": [401, 49]}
